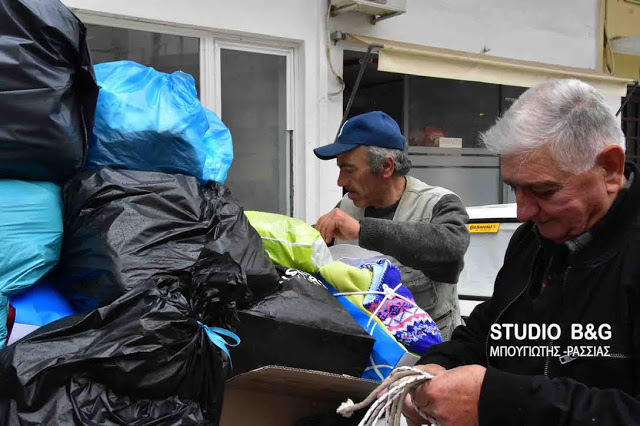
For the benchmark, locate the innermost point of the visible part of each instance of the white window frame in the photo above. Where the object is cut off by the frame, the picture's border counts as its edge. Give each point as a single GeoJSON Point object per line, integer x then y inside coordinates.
{"type": "Point", "coordinates": [214, 92]}
{"type": "Point", "coordinates": [210, 81]}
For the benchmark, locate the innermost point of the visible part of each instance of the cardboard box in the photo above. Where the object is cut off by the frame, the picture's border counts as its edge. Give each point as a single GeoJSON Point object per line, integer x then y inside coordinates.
{"type": "Point", "coordinates": [280, 396]}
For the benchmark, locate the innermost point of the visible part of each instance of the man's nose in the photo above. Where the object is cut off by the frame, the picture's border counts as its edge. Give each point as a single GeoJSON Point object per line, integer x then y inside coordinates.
{"type": "Point", "coordinates": [527, 206]}
{"type": "Point", "coordinates": [342, 182]}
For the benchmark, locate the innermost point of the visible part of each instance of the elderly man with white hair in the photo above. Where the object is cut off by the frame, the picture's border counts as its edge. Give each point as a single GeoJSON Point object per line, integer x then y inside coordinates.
{"type": "Point", "coordinates": [559, 340]}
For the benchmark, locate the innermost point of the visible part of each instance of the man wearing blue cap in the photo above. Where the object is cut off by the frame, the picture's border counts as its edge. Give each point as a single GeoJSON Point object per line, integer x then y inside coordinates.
{"type": "Point", "coordinates": [423, 227]}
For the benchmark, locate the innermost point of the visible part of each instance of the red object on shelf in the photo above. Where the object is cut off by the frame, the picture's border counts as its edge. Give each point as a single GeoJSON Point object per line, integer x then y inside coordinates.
{"type": "Point", "coordinates": [426, 136]}
{"type": "Point", "coordinates": [11, 319]}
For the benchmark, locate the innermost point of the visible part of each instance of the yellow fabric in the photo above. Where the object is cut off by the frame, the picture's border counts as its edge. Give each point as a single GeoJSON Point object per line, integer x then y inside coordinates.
{"type": "Point", "coordinates": [406, 58]}
{"type": "Point", "coordinates": [346, 278]}
{"type": "Point", "coordinates": [290, 242]}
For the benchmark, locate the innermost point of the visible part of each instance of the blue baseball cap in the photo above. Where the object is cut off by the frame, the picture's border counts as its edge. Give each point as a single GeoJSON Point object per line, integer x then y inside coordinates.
{"type": "Point", "coordinates": [373, 128]}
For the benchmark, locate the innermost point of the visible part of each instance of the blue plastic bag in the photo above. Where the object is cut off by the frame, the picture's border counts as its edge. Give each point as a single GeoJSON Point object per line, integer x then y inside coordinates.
{"type": "Point", "coordinates": [40, 305]}
{"type": "Point", "coordinates": [151, 121]}
{"type": "Point", "coordinates": [31, 230]}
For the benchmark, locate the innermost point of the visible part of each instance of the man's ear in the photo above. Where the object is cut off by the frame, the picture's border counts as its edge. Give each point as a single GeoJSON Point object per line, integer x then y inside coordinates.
{"type": "Point", "coordinates": [611, 159]}
{"type": "Point", "coordinates": [388, 167]}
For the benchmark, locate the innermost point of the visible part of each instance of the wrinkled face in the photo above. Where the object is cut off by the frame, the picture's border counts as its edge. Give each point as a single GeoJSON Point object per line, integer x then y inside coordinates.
{"type": "Point", "coordinates": [356, 177]}
{"type": "Point", "coordinates": [562, 204]}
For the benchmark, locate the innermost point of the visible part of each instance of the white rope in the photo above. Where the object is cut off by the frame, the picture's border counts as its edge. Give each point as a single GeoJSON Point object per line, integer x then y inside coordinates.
{"type": "Point", "coordinates": [388, 293]}
{"type": "Point", "coordinates": [401, 382]}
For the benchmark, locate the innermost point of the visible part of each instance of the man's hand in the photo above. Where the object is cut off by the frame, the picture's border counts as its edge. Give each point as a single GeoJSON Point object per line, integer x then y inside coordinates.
{"type": "Point", "coordinates": [409, 409]}
{"type": "Point", "coordinates": [338, 224]}
{"type": "Point", "coordinates": [450, 398]}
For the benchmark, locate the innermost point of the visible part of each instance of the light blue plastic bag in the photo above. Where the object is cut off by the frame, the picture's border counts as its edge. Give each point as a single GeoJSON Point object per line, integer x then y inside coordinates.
{"type": "Point", "coordinates": [152, 121]}
{"type": "Point", "coordinates": [31, 236]}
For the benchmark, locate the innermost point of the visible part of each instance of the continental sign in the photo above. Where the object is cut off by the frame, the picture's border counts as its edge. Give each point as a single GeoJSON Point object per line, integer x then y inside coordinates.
{"type": "Point", "coordinates": [483, 228]}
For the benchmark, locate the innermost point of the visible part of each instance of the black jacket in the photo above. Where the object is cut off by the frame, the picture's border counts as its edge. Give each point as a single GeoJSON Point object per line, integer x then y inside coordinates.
{"type": "Point", "coordinates": [592, 280]}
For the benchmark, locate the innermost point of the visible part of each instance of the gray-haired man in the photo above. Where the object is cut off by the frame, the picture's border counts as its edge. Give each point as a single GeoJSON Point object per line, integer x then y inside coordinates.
{"type": "Point", "coordinates": [423, 227]}
{"type": "Point", "coordinates": [559, 341]}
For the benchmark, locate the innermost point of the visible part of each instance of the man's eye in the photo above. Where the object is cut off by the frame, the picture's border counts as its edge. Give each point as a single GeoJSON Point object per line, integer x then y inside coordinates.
{"type": "Point", "coordinates": [544, 192]}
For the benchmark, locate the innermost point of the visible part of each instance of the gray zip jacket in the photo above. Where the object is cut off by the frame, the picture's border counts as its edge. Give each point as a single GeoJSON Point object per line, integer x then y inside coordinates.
{"type": "Point", "coordinates": [427, 238]}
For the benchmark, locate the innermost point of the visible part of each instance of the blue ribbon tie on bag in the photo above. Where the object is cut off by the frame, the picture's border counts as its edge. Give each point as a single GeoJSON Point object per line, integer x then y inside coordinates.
{"type": "Point", "coordinates": [217, 336]}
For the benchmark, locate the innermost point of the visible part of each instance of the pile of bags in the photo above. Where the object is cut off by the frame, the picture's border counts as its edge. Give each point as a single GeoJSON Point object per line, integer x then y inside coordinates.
{"type": "Point", "coordinates": [369, 290]}
{"type": "Point", "coordinates": [144, 359]}
{"type": "Point", "coordinates": [132, 303]}
{"type": "Point", "coordinates": [48, 95]}
{"type": "Point", "coordinates": [128, 315]}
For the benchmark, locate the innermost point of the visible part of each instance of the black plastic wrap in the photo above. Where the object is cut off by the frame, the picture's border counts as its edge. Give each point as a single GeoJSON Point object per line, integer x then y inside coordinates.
{"type": "Point", "coordinates": [301, 326]}
{"type": "Point", "coordinates": [142, 360]}
{"type": "Point", "coordinates": [123, 227]}
{"type": "Point", "coordinates": [48, 91]}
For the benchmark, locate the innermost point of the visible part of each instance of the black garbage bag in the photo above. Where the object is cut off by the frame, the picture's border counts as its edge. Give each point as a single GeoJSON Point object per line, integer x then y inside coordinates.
{"type": "Point", "coordinates": [48, 91]}
{"type": "Point", "coordinates": [142, 360]}
{"type": "Point", "coordinates": [301, 325]}
{"type": "Point", "coordinates": [122, 227]}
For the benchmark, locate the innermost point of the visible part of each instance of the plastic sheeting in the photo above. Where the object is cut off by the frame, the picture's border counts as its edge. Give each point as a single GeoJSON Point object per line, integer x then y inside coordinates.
{"type": "Point", "coordinates": [123, 227]}
{"type": "Point", "coordinates": [152, 121]}
{"type": "Point", "coordinates": [291, 242]}
{"type": "Point", "coordinates": [47, 91]}
{"type": "Point", "coordinates": [143, 360]}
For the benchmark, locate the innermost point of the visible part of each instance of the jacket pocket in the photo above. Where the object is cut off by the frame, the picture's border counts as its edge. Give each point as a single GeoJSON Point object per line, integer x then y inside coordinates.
{"type": "Point", "coordinates": [421, 287]}
{"type": "Point", "coordinates": [445, 325]}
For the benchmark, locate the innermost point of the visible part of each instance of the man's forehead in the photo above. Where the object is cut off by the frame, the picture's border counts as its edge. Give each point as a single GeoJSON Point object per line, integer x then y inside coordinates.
{"type": "Point", "coordinates": [533, 169]}
{"type": "Point", "coordinates": [352, 157]}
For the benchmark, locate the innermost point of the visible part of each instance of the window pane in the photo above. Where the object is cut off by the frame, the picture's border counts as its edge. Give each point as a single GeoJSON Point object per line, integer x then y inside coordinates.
{"type": "Point", "coordinates": [164, 52]}
{"type": "Point", "coordinates": [378, 90]}
{"type": "Point", "coordinates": [450, 108]}
{"type": "Point", "coordinates": [509, 94]}
{"type": "Point", "coordinates": [631, 124]}
{"type": "Point", "coordinates": [254, 108]}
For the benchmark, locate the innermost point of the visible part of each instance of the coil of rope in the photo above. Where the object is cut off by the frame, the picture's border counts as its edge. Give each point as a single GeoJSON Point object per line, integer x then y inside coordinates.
{"type": "Point", "coordinates": [401, 382]}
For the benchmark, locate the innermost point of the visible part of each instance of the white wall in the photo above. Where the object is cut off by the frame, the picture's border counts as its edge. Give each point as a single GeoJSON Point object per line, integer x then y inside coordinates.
{"type": "Point", "coordinates": [558, 32]}
{"type": "Point", "coordinates": [291, 19]}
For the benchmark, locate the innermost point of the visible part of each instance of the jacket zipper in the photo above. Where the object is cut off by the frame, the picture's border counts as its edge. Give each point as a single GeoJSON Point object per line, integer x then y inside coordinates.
{"type": "Point", "coordinates": [564, 357]}
{"type": "Point", "coordinates": [486, 345]}
{"type": "Point", "coordinates": [620, 356]}
{"type": "Point", "coordinates": [546, 361]}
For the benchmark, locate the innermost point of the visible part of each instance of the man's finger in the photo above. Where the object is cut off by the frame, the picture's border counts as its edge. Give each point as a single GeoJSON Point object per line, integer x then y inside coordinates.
{"type": "Point", "coordinates": [410, 412]}
{"type": "Point", "coordinates": [321, 226]}
{"type": "Point", "coordinates": [328, 236]}
{"type": "Point", "coordinates": [326, 227]}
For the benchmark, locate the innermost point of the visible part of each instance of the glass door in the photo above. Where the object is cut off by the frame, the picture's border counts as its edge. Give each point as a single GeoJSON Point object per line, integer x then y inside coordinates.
{"type": "Point", "coordinates": [254, 102]}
